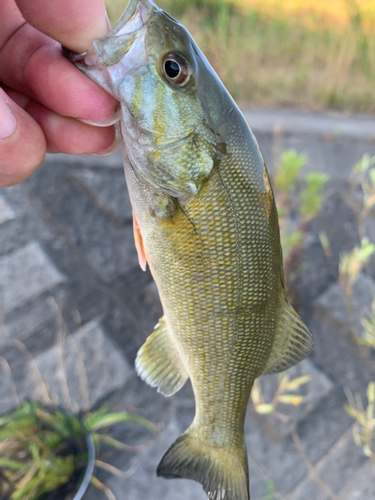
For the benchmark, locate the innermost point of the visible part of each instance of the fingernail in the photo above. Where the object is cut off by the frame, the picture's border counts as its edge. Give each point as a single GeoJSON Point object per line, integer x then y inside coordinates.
{"type": "Point", "coordinates": [108, 22]}
{"type": "Point", "coordinates": [114, 119]}
{"type": "Point", "coordinates": [113, 148]}
{"type": "Point", "coordinates": [8, 122]}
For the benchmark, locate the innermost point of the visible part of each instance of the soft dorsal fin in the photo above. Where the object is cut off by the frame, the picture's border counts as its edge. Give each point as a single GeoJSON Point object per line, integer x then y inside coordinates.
{"type": "Point", "coordinates": [159, 363]}
{"type": "Point", "coordinates": [293, 341]}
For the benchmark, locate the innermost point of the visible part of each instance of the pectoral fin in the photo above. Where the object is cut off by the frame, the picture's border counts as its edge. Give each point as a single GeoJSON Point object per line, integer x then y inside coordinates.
{"type": "Point", "coordinates": [159, 363]}
{"type": "Point", "coordinates": [293, 341]}
{"type": "Point", "coordinates": [139, 244]}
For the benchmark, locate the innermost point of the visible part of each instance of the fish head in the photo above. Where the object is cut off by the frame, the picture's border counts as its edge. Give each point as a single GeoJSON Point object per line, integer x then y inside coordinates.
{"type": "Point", "coordinates": [168, 94]}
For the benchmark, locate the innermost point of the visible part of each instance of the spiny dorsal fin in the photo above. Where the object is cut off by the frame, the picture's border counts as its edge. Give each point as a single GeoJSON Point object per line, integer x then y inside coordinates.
{"type": "Point", "coordinates": [293, 341]}
{"type": "Point", "coordinates": [159, 363]}
{"type": "Point", "coordinates": [223, 472]}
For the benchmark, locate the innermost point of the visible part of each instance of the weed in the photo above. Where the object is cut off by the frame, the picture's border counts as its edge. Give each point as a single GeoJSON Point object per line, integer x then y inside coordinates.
{"type": "Point", "coordinates": [286, 394]}
{"type": "Point", "coordinates": [352, 263]}
{"type": "Point", "coordinates": [296, 211]}
{"type": "Point", "coordinates": [270, 491]}
{"type": "Point", "coordinates": [311, 198]}
{"type": "Point", "coordinates": [326, 245]}
{"type": "Point", "coordinates": [364, 430]}
{"type": "Point", "coordinates": [43, 449]}
{"type": "Point", "coordinates": [368, 324]}
{"type": "Point", "coordinates": [363, 176]}
{"type": "Point", "coordinates": [288, 171]}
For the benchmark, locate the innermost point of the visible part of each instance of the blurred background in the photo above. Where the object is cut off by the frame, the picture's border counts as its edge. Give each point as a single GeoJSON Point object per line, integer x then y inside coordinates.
{"type": "Point", "coordinates": [295, 53]}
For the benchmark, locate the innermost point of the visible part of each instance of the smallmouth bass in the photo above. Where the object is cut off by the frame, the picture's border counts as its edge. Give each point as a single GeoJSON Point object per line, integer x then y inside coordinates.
{"type": "Point", "coordinates": [206, 223]}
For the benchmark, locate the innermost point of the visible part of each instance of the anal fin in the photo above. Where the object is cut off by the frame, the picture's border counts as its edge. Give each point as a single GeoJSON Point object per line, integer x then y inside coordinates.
{"type": "Point", "coordinates": [293, 341]}
{"type": "Point", "coordinates": [159, 363]}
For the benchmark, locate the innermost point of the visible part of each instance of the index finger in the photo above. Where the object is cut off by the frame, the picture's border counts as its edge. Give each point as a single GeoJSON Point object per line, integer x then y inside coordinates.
{"type": "Point", "coordinates": [73, 23]}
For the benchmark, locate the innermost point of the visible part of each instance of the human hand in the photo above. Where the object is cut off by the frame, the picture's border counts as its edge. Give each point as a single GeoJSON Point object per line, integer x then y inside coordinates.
{"type": "Point", "coordinates": [44, 99]}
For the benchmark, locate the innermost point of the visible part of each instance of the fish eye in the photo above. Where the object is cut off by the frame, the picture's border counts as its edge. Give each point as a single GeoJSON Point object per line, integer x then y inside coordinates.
{"type": "Point", "coordinates": [175, 69]}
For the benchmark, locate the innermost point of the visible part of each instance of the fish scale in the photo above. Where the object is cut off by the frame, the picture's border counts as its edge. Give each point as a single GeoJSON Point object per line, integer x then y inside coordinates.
{"type": "Point", "coordinates": [206, 223]}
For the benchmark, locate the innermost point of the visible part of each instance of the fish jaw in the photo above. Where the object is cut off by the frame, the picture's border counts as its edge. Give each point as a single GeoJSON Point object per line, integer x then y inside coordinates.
{"type": "Point", "coordinates": [100, 62]}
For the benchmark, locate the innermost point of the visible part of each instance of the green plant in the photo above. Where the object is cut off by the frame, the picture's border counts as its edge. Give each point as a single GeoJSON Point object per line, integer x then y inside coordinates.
{"type": "Point", "coordinates": [288, 171]}
{"type": "Point", "coordinates": [43, 449]}
{"type": "Point", "coordinates": [363, 175]}
{"type": "Point", "coordinates": [352, 263]}
{"type": "Point", "coordinates": [270, 491]}
{"type": "Point", "coordinates": [306, 206]}
{"type": "Point", "coordinates": [290, 240]}
{"type": "Point", "coordinates": [368, 324]}
{"type": "Point", "coordinates": [326, 245]}
{"type": "Point", "coordinates": [284, 394]}
{"type": "Point", "coordinates": [311, 198]}
{"type": "Point", "coordinates": [363, 432]}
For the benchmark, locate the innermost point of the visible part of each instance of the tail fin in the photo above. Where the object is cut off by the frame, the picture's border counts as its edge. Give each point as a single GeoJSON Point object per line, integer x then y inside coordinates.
{"type": "Point", "coordinates": [223, 473]}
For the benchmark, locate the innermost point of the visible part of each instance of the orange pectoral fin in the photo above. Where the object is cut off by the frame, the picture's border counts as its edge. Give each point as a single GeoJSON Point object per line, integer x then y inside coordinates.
{"type": "Point", "coordinates": [139, 244]}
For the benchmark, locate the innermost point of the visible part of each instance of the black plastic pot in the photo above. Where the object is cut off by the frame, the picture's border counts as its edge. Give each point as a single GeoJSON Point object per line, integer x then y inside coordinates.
{"type": "Point", "coordinates": [69, 491]}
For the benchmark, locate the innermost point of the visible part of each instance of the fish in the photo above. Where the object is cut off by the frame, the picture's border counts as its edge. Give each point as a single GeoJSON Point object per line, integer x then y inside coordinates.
{"type": "Point", "coordinates": [206, 224]}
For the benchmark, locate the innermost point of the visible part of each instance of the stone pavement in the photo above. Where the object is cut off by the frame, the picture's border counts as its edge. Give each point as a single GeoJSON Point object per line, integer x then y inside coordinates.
{"type": "Point", "coordinates": [75, 308]}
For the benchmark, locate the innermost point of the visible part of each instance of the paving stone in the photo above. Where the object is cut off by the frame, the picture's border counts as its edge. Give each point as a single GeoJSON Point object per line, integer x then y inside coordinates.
{"type": "Point", "coordinates": [362, 485]}
{"type": "Point", "coordinates": [336, 350]}
{"type": "Point", "coordinates": [22, 323]}
{"type": "Point", "coordinates": [25, 274]}
{"type": "Point", "coordinates": [83, 368]}
{"type": "Point", "coordinates": [336, 468]}
{"type": "Point", "coordinates": [273, 456]}
{"type": "Point", "coordinates": [109, 249]}
{"type": "Point", "coordinates": [332, 304]}
{"type": "Point", "coordinates": [133, 320]}
{"type": "Point", "coordinates": [27, 224]}
{"type": "Point", "coordinates": [314, 270]}
{"type": "Point", "coordinates": [6, 211]}
{"type": "Point", "coordinates": [108, 190]}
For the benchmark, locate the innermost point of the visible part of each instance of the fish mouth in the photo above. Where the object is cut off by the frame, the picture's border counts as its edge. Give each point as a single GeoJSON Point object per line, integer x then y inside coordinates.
{"type": "Point", "coordinates": [126, 38]}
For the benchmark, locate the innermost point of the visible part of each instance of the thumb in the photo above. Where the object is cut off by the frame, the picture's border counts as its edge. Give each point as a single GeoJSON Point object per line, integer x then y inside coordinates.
{"type": "Point", "coordinates": [22, 143]}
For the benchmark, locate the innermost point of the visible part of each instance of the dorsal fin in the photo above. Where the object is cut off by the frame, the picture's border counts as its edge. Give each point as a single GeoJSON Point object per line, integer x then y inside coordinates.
{"type": "Point", "coordinates": [293, 341]}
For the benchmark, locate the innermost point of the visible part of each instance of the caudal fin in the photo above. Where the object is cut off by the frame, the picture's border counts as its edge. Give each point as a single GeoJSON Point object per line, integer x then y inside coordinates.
{"type": "Point", "coordinates": [223, 473]}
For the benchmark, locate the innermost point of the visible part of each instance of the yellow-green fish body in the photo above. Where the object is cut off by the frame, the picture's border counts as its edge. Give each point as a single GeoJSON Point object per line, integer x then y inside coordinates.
{"type": "Point", "coordinates": [206, 223]}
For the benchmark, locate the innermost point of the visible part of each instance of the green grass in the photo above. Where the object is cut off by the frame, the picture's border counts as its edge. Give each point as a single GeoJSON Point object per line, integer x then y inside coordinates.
{"type": "Point", "coordinates": [278, 60]}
